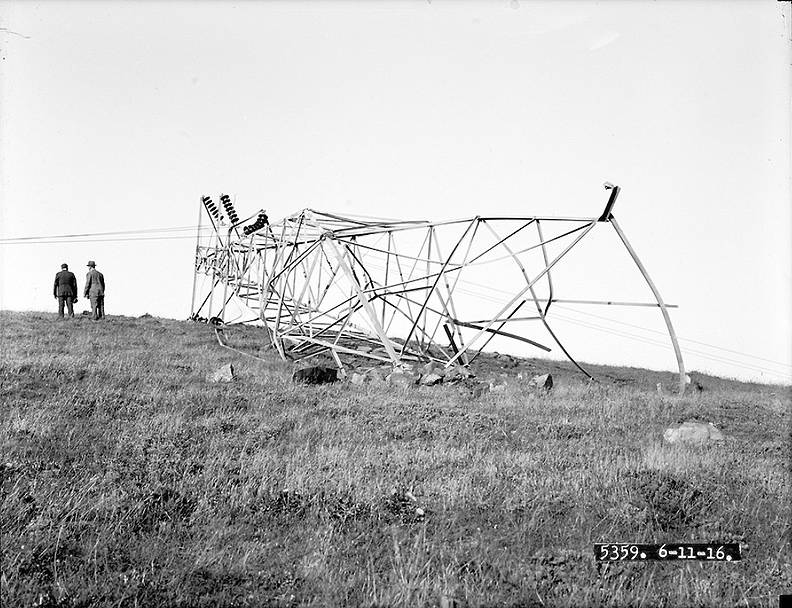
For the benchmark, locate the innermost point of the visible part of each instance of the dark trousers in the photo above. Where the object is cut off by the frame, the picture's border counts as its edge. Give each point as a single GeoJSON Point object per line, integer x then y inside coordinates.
{"type": "Point", "coordinates": [97, 307]}
{"type": "Point", "coordinates": [69, 302]}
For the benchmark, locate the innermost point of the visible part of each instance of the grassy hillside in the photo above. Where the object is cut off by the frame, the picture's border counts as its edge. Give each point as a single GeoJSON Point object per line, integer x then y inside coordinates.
{"type": "Point", "coordinates": [128, 480]}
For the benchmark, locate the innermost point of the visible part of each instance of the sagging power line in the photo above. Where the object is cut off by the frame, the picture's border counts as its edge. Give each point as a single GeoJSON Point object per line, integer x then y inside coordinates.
{"type": "Point", "coordinates": [69, 237]}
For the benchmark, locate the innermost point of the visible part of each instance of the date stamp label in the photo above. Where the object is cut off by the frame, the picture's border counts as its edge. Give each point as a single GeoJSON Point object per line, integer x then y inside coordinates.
{"type": "Point", "coordinates": [626, 552]}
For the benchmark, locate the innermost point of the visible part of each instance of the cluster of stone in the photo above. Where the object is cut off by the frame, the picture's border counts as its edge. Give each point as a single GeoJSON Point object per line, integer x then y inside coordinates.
{"type": "Point", "coordinates": [404, 375]}
{"type": "Point", "coordinates": [435, 374]}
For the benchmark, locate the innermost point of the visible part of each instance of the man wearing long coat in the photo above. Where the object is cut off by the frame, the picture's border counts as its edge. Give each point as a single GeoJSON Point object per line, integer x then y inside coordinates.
{"type": "Point", "coordinates": [95, 290]}
{"type": "Point", "coordinates": [65, 290]}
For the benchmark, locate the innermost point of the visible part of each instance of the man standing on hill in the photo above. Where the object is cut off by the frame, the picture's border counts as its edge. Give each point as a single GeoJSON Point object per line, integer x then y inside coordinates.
{"type": "Point", "coordinates": [95, 290]}
{"type": "Point", "coordinates": [65, 290]}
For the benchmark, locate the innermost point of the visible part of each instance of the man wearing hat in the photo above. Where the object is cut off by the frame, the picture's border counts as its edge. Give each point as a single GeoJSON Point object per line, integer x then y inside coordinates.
{"type": "Point", "coordinates": [65, 290]}
{"type": "Point", "coordinates": [94, 290]}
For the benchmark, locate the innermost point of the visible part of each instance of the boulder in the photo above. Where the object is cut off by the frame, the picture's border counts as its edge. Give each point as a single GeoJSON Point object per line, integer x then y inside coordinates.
{"type": "Point", "coordinates": [223, 374]}
{"type": "Point", "coordinates": [317, 374]}
{"type": "Point", "coordinates": [692, 432]}
{"type": "Point", "coordinates": [544, 381]}
{"type": "Point", "coordinates": [431, 379]}
{"type": "Point", "coordinates": [457, 373]}
{"type": "Point", "coordinates": [497, 388]}
{"type": "Point", "coordinates": [357, 379]}
{"type": "Point", "coordinates": [400, 378]}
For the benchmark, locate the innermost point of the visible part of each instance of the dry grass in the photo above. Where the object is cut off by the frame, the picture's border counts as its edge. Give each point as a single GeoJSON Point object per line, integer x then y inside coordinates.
{"type": "Point", "coordinates": [127, 480]}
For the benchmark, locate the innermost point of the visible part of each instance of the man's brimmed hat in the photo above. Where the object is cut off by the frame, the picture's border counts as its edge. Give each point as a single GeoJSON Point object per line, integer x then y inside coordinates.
{"type": "Point", "coordinates": [64, 265]}
{"type": "Point", "coordinates": [92, 264]}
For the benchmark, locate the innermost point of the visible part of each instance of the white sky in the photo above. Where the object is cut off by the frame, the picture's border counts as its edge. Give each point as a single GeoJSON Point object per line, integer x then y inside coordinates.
{"type": "Point", "coordinates": [118, 116]}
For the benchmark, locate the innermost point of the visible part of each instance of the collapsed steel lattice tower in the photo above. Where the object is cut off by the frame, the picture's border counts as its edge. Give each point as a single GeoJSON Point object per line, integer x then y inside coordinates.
{"type": "Point", "coordinates": [388, 290]}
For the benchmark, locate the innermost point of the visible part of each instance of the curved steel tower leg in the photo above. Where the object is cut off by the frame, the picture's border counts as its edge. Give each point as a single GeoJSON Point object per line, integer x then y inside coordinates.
{"type": "Point", "coordinates": [660, 303]}
{"type": "Point", "coordinates": [542, 313]}
{"type": "Point", "coordinates": [564, 350]}
{"type": "Point", "coordinates": [550, 301]}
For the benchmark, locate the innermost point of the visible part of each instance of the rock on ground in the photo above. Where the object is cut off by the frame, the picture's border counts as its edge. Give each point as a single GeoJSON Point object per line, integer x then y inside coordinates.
{"type": "Point", "coordinates": [223, 374]}
{"type": "Point", "coordinates": [544, 381]}
{"type": "Point", "coordinates": [431, 379]}
{"type": "Point", "coordinates": [457, 373]}
{"type": "Point", "coordinates": [363, 376]}
{"type": "Point", "coordinates": [497, 388]}
{"type": "Point", "coordinates": [315, 375]}
{"type": "Point", "coordinates": [402, 378]}
{"type": "Point", "coordinates": [692, 432]}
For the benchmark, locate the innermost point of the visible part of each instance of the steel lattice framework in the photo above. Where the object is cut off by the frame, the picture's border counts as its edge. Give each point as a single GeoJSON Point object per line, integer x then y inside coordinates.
{"type": "Point", "coordinates": [390, 290]}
